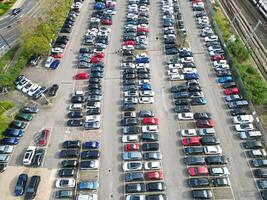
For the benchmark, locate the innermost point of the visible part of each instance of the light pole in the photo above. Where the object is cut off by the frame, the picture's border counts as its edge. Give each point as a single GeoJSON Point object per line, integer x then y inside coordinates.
{"type": "Point", "coordinates": [5, 41]}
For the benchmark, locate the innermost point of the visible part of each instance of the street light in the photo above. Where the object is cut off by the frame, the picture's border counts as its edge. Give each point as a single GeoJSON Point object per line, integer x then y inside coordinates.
{"type": "Point", "coordinates": [5, 41]}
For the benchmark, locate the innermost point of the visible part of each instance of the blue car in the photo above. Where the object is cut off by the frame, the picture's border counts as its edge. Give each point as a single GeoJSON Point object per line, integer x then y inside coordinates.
{"type": "Point", "coordinates": [55, 64]}
{"type": "Point", "coordinates": [91, 145]}
{"type": "Point", "coordinates": [146, 86]}
{"type": "Point", "coordinates": [142, 60]}
{"type": "Point", "coordinates": [99, 6]}
{"type": "Point", "coordinates": [88, 185]}
{"type": "Point", "coordinates": [21, 184]}
{"type": "Point", "coordinates": [14, 132]}
{"type": "Point", "coordinates": [10, 140]}
{"type": "Point", "coordinates": [225, 79]}
{"type": "Point", "coordinates": [190, 76]}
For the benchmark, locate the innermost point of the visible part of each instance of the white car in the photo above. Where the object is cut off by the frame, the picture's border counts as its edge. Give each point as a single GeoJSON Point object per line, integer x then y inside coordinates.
{"type": "Point", "coordinates": [188, 132]}
{"type": "Point", "coordinates": [222, 67]}
{"type": "Point", "coordinates": [29, 154]}
{"type": "Point", "coordinates": [65, 183]}
{"type": "Point", "coordinates": [147, 93]}
{"type": "Point", "coordinates": [94, 105]}
{"type": "Point", "coordinates": [150, 128]}
{"type": "Point", "coordinates": [78, 93]}
{"type": "Point", "coordinates": [176, 77]}
{"type": "Point", "coordinates": [94, 19]}
{"type": "Point", "coordinates": [92, 118]}
{"type": "Point", "coordinates": [130, 100]}
{"type": "Point", "coordinates": [130, 94]}
{"type": "Point", "coordinates": [142, 65]}
{"type": "Point", "coordinates": [211, 38]}
{"type": "Point", "coordinates": [175, 66]}
{"type": "Point", "coordinates": [57, 50]}
{"type": "Point", "coordinates": [187, 59]}
{"type": "Point", "coordinates": [132, 166]}
{"type": "Point", "coordinates": [143, 81]}
{"type": "Point", "coordinates": [27, 87]}
{"type": "Point", "coordinates": [141, 55]}
{"type": "Point", "coordinates": [146, 100]}
{"type": "Point", "coordinates": [219, 62]}
{"type": "Point", "coordinates": [33, 89]}
{"type": "Point", "coordinates": [152, 165]}
{"type": "Point", "coordinates": [243, 119]}
{"type": "Point", "coordinates": [128, 47]}
{"type": "Point", "coordinates": [130, 138]}
{"type": "Point", "coordinates": [173, 71]}
{"type": "Point", "coordinates": [218, 171]}
{"type": "Point", "coordinates": [137, 196]}
{"type": "Point", "coordinates": [189, 70]}
{"type": "Point", "coordinates": [244, 127]}
{"type": "Point", "coordinates": [212, 150]}
{"type": "Point", "coordinates": [142, 26]}
{"type": "Point", "coordinates": [48, 61]}
{"type": "Point", "coordinates": [185, 116]}
{"type": "Point", "coordinates": [128, 65]}
{"type": "Point", "coordinates": [22, 84]}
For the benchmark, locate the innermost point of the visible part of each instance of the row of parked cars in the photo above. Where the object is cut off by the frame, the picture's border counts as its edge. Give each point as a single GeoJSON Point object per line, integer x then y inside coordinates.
{"type": "Point", "coordinates": [77, 156]}
{"type": "Point", "coordinates": [242, 120]}
{"type": "Point", "coordinates": [142, 166]}
{"type": "Point", "coordinates": [203, 155]}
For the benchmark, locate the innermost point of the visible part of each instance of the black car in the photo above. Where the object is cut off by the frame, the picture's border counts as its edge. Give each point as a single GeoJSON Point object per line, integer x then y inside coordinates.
{"type": "Point", "coordinates": [194, 160]}
{"type": "Point", "coordinates": [181, 102]}
{"type": "Point", "coordinates": [69, 163]}
{"type": "Point", "coordinates": [63, 194]}
{"type": "Point", "coordinates": [182, 108]}
{"type": "Point", "coordinates": [129, 121]}
{"type": "Point", "coordinates": [3, 167]}
{"type": "Point", "coordinates": [134, 176]}
{"type": "Point", "coordinates": [260, 173]}
{"type": "Point", "coordinates": [178, 88]}
{"type": "Point", "coordinates": [91, 154]}
{"type": "Point", "coordinates": [198, 182]}
{"type": "Point", "coordinates": [193, 150]}
{"type": "Point", "coordinates": [221, 182]}
{"type": "Point", "coordinates": [21, 184]}
{"type": "Point", "coordinates": [70, 144]}
{"type": "Point", "coordinates": [194, 88]}
{"type": "Point", "coordinates": [93, 111]}
{"type": "Point", "coordinates": [75, 114]}
{"type": "Point", "coordinates": [32, 187]}
{"type": "Point", "coordinates": [155, 187]}
{"type": "Point", "coordinates": [30, 109]}
{"type": "Point", "coordinates": [52, 91]}
{"type": "Point", "coordinates": [74, 122]}
{"type": "Point", "coordinates": [216, 160]}
{"type": "Point", "coordinates": [130, 130]}
{"type": "Point", "coordinates": [252, 144]}
{"type": "Point", "coordinates": [156, 197]}
{"type": "Point", "coordinates": [128, 107]}
{"type": "Point", "coordinates": [94, 86]}
{"type": "Point", "coordinates": [65, 30]}
{"type": "Point", "coordinates": [202, 115]}
{"type": "Point", "coordinates": [34, 60]}
{"type": "Point", "coordinates": [150, 146]}
{"type": "Point", "coordinates": [135, 187]}
{"type": "Point", "coordinates": [94, 80]}
{"type": "Point", "coordinates": [209, 140]}
{"type": "Point", "coordinates": [70, 153]}
{"type": "Point", "coordinates": [258, 162]}
{"type": "Point", "coordinates": [38, 157]}
{"type": "Point", "coordinates": [77, 99]}
{"type": "Point", "coordinates": [66, 172]}
{"type": "Point", "coordinates": [95, 92]}
{"type": "Point", "coordinates": [237, 111]}
{"type": "Point", "coordinates": [202, 194]}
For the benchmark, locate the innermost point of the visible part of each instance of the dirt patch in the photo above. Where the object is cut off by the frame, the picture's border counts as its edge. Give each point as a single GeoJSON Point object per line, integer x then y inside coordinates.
{"type": "Point", "coordinates": [262, 113]}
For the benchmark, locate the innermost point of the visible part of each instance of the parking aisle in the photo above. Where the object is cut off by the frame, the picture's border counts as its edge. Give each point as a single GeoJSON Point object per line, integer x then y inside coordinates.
{"type": "Point", "coordinates": [241, 179]}
{"type": "Point", "coordinates": [111, 175]}
{"type": "Point", "coordinates": [172, 156]}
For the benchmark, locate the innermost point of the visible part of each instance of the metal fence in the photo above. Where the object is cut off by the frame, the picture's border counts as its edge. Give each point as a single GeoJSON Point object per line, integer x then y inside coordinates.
{"type": "Point", "coordinates": [234, 70]}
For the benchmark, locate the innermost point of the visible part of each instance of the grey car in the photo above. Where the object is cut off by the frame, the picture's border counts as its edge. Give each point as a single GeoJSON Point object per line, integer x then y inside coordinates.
{"type": "Point", "coordinates": [4, 158]}
{"type": "Point", "coordinates": [91, 125]}
{"type": "Point", "coordinates": [134, 155]}
{"type": "Point", "coordinates": [6, 149]}
{"type": "Point", "coordinates": [134, 176]}
{"type": "Point", "coordinates": [152, 156]}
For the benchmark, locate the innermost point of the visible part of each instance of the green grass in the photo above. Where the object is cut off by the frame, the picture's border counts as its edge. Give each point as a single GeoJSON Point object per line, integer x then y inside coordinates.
{"type": "Point", "coordinates": [6, 58]}
{"type": "Point", "coordinates": [4, 120]}
{"type": "Point", "coordinates": [4, 7]}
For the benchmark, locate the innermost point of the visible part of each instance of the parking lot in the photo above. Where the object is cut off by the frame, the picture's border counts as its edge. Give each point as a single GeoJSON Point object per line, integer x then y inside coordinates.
{"type": "Point", "coordinates": [110, 174]}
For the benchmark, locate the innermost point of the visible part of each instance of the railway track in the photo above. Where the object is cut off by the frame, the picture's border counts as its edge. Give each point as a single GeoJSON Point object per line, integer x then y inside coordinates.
{"type": "Point", "coordinates": [243, 28]}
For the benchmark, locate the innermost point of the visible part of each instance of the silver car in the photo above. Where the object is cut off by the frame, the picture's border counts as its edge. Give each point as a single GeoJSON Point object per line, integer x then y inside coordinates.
{"type": "Point", "coordinates": [6, 149]}
{"type": "Point", "coordinates": [134, 155]}
{"type": "Point", "coordinates": [4, 158]}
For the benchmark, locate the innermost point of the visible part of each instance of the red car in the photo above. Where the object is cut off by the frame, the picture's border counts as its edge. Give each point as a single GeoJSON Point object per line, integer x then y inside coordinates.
{"type": "Point", "coordinates": [106, 21]}
{"type": "Point", "coordinates": [205, 123]}
{"type": "Point", "coordinates": [143, 29]}
{"type": "Point", "coordinates": [57, 55]}
{"type": "Point", "coordinates": [132, 147]}
{"type": "Point", "coordinates": [198, 171]}
{"type": "Point", "coordinates": [129, 42]}
{"type": "Point", "coordinates": [43, 138]}
{"type": "Point", "coordinates": [191, 141]}
{"type": "Point", "coordinates": [95, 59]}
{"type": "Point", "coordinates": [154, 175]}
{"type": "Point", "coordinates": [151, 121]}
{"type": "Point", "coordinates": [217, 57]}
{"type": "Point", "coordinates": [99, 55]}
{"type": "Point", "coordinates": [196, 1]}
{"type": "Point", "coordinates": [229, 91]}
{"type": "Point", "coordinates": [81, 76]}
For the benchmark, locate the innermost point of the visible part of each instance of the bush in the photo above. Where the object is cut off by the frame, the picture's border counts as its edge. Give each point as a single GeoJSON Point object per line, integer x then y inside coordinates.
{"type": "Point", "coordinates": [6, 104]}
{"type": "Point", "coordinates": [6, 6]}
{"type": "Point", "coordinates": [4, 123]}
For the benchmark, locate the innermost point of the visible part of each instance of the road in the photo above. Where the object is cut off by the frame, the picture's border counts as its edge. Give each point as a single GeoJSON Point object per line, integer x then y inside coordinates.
{"type": "Point", "coordinates": [110, 175]}
{"type": "Point", "coordinates": [9, 24]}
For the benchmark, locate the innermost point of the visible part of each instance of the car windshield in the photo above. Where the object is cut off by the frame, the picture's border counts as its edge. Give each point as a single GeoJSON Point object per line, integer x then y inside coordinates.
{"type": "Point", "coordinates": [64, 182]}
